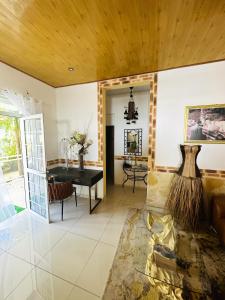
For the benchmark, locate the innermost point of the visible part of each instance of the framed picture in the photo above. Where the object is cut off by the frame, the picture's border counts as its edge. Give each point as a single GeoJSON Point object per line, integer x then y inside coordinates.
{"type": "Point", "coordinates": [205, 124]}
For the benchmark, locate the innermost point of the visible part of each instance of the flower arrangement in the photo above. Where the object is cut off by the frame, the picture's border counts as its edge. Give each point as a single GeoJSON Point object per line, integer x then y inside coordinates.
{"type": "Point", "coordinates": [81, 141]}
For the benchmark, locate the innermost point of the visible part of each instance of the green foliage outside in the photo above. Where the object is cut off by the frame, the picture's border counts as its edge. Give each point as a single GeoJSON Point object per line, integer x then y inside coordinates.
{"type": "Point", "coordinates": [10, 146]}
{"type": "Point", "coordinates": [8, 138]}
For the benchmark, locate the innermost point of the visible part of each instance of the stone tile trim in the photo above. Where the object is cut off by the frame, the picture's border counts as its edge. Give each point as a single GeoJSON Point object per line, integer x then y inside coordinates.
{"type": "Point", "coordinates": [162, 169]}
{"type": "Point", "coordinates": [138, 158]}
{"type": "Point", "coordinates": [148, 78]}
{"type": "Point", "coordinates": [73, 162]}
{"type": "Point", "coordinates": [52, 162]}
{"type": "Point", "coordinates": [204, 172]}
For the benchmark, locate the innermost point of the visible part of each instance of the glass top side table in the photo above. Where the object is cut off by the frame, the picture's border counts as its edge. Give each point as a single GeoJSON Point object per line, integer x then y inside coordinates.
{"type": "Point", "coordinates": [169, 255]}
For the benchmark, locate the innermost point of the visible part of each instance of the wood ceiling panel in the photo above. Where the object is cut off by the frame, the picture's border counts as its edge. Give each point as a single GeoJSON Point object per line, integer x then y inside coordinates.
{"type": "Point", "coordinates": [104, 39]}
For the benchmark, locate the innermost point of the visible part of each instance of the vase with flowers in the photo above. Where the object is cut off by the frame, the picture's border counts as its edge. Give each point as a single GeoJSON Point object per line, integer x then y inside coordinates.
{"type": "Point", "coordinates": [82, 143]}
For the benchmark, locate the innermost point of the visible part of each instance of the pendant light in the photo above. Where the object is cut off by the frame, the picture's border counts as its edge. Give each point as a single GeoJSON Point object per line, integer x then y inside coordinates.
{"type": "Point", "coordinates": [131, 113]}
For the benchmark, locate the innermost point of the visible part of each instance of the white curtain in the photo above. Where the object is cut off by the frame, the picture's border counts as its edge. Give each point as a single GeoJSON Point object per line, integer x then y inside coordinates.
{"type": "Point", "coordinates": [24, 105]}
{"type": "Point", "coordinates": [7, 208]}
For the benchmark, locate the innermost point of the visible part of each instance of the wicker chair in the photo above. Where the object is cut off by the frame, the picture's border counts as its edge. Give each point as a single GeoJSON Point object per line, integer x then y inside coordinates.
{"type": "Point", "coordinates": [59, 191]}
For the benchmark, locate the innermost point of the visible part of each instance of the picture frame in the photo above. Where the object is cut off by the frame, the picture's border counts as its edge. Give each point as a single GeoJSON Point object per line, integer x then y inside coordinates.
{"type": "Point", "coordinates": [205, 124]}
{"type": "Point", "coordinates": [133, 142]}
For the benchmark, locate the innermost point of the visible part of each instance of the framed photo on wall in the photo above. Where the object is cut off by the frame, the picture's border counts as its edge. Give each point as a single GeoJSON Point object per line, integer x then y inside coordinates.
{"type": "Point", "coordinates": [205, 124]}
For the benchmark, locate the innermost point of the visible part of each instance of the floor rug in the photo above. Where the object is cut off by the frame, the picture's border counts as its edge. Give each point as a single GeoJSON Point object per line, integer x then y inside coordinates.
{"type": "Point", "coordinates": [127, 282]}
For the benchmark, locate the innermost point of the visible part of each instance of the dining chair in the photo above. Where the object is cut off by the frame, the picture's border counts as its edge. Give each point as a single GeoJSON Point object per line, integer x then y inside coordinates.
{"type": "Point", "coordinates": [59, 191]}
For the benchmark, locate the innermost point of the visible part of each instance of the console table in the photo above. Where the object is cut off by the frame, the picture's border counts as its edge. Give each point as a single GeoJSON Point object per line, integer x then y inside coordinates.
{"type": "Point", "coordinates": [87, 177]}
{"type": "Point", "coordinates": [135, 173]}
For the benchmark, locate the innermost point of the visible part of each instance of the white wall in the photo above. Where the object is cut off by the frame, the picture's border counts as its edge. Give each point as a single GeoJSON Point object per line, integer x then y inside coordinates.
{"type": "Point", "coordinates": [197, 85]}
{"type": "Point", "coordinates": [77, 110]}
{"type": "Point", "coordinates": [20, 83]}
{"type": "Point", "coordinates": [115, 104]}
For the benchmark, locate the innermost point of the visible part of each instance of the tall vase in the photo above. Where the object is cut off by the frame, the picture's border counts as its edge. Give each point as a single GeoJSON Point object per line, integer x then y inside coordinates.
{"type": "Point", "coordinates": [81, 161]}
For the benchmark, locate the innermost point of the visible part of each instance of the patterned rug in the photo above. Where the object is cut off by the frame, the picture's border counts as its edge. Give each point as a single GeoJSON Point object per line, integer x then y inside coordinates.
{"type": "Point", "coordinates": [127, 281]}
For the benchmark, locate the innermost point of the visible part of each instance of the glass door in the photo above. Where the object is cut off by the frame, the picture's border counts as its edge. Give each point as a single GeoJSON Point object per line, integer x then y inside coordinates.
{"type": "Point", "coordinates": [33, 150]}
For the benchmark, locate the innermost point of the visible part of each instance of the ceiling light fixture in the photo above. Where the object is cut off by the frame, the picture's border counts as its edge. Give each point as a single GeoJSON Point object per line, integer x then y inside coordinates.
{"type": "Point", "coordinates": [71, 69]}
{"type": "Point", "coordinates": [131, 113]}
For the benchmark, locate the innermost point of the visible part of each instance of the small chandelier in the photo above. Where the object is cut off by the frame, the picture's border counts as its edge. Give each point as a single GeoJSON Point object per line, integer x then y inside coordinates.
{"type": "Point", "coordinates": [131, 113]}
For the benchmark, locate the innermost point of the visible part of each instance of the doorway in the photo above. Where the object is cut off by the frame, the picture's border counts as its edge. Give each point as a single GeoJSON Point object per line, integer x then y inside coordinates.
{"type": "Point", "coordinates": [23, 176]}
{"type": "Point", "coordinates": [127, 141]}
{"type": "Point", "coordinates": [110, 155]}
{"type": "Point", "coordinates": [11, 167]}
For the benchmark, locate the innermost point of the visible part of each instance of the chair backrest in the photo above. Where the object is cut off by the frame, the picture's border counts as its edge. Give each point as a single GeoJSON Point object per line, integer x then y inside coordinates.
{"type": "Point", "coordinates": [59, 190]}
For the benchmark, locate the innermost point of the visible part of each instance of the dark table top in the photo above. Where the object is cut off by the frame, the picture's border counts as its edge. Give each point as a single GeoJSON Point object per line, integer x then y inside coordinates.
{"type": "Point", "coordinates": [87, 177]}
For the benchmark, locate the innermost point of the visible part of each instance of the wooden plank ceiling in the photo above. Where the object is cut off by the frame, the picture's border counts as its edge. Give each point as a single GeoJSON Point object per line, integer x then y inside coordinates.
{"type": "Point", "coordinates": [105, 39]}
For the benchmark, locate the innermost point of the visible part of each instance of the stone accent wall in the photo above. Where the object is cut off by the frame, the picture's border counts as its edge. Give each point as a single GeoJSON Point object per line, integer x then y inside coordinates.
{"type": "Point", "coordinates": [159, 187]}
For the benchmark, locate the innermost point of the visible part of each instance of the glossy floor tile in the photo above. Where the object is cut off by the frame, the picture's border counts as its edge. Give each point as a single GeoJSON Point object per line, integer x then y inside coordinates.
{"type": "Point", "coordinates": [71, 211]}
{"type": "Point", "coordinates": [13, 230]}
{"type": "Point", "coordinates": [64, 260]}
{"type": "Point", "coordinates": [119, 215]}
{"type": "Point", "coordinates": [80, 294]}
{"type": "Point", "coordinates": [1, 251]}
{"type": "Point", "coordinates": [39, 284]}
{"type": "Point", "coordinates": [95, 273]}
{"type": "Point", "coordinates": [17, 192]}
{"type": "Point", "coordinates": [112, 232]}
{"type": "Point", "coordinates": [91, 226]}
{"type": "Point", "coordinates": [12, 272]}
{"type": "Point", "coordinates": [68, 258]}
{"type": "Point", "coordinates": [37, 243]}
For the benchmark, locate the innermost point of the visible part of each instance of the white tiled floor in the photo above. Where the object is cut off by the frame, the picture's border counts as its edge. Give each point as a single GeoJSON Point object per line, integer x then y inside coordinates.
{"type": "Point", "coordinates": [16, 191]}
{"type": "Point", "coordinates": [63, 260]}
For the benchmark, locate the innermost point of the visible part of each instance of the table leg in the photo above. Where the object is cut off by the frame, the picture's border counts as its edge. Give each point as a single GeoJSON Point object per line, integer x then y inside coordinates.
{"type": "Point", "coordinates": [91, 209]}
{"type": "Point", "coordinates": [89, 200]}
{"type": "Point", "coordinates": [75, 195]}
{"type": "Point", "coordinates": [62, 211]}
{"type": "Point", "coordinates": [96, 191]}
